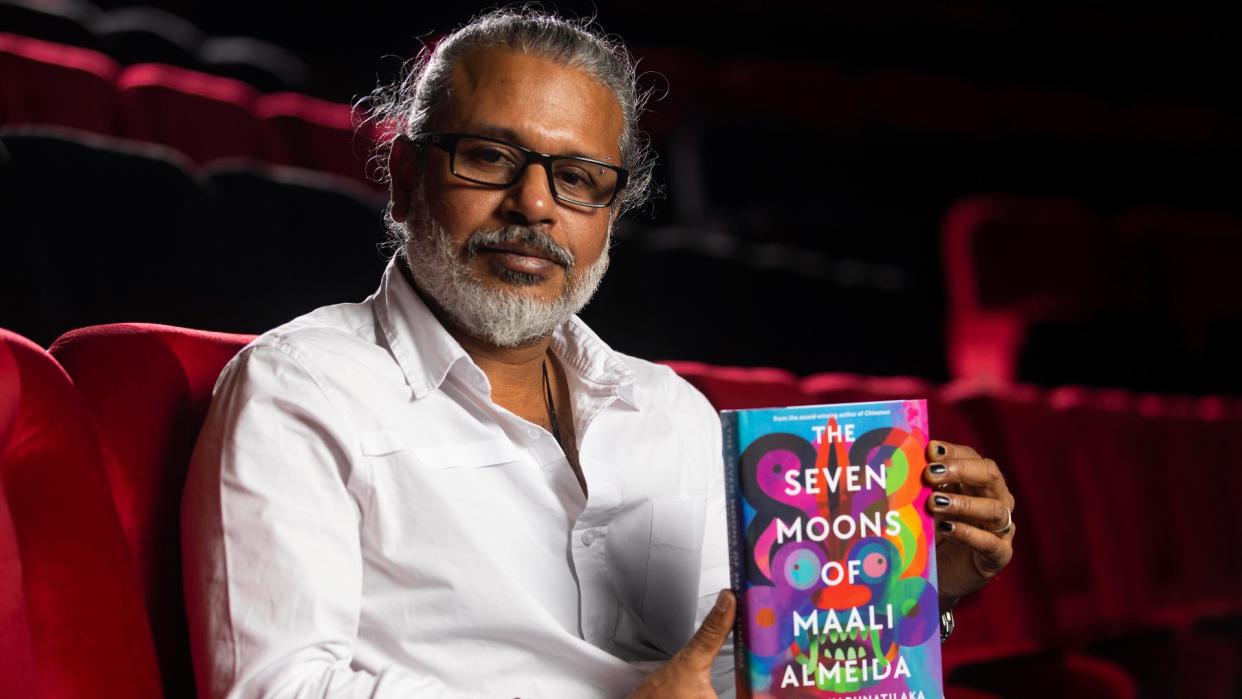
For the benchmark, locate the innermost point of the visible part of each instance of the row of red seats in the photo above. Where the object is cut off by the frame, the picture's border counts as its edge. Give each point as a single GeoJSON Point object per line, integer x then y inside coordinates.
{"type": "Point", "coordinates": [211, 117]}
{"type": "Point", "coordinates": [1123, 509]}
{"type": "Point", "coordinates": [206, 117]}
{"type": "Point", "coordinates": [92, 460]}
{"type": "Point", "coordinates": [1012, 262]}
{"type": "Point", "coordinates": [94, 441]}
{"type": "Point", "coordinates": [906, 100]}
{"type": "Point", "coordinates": [145, 34]}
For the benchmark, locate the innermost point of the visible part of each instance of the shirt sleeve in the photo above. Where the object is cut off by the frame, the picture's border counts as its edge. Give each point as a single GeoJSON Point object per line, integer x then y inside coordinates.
{"type": "Point", "coordinates": [270, 539]}
{"type": "Point", "coordinates": [714, 575]}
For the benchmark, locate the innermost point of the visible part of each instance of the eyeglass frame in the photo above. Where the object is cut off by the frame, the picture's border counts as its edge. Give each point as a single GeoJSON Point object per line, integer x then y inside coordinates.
{"type": "Point", "coordinates": [447, 142]}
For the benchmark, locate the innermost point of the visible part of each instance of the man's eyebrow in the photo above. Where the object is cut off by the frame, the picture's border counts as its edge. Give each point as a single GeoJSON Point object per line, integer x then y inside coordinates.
{"type": "Point", "coordinates": [507, 134]}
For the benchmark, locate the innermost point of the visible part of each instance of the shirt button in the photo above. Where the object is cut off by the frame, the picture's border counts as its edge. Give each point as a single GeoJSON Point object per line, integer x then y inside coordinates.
{"type": "Point", "coordinates": [589, 537]}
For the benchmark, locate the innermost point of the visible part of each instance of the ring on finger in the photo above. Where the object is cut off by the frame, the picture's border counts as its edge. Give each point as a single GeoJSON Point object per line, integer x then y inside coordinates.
{"type": "Point", "coordinates": [1008, 523]}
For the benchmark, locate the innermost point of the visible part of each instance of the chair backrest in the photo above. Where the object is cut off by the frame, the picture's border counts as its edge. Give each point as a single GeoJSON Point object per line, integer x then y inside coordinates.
{"type": "Point", "coordinates": [1010, 261]}
{"type": "Point", "coordinates": [206, 117]}
{"type": "Point", "coordinates": [73, 619]}
{"type": "Point", "coordinates": [147, 388]}
{"type": "Point", "coordinates": [302, 239]}
{"type": "Point", "coordinates": [736, 388]}
{"type": "Point", "coordinates": [38, 75]}
{"type": "Point", "coordinates": [307, 132]}
{"type": "Point", "coordinates": [134, 35]}
{"type": "Point", "coordinates": [144, 251]}
{"type": "Point", "coordinates": [65, 22]}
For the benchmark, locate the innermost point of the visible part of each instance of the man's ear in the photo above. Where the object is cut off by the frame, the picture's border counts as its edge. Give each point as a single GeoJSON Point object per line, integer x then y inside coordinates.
{"type": "Point", "coordinates": [402, 176]}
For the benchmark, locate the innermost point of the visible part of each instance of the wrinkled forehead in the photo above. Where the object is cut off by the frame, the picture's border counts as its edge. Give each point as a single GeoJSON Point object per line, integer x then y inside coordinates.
{"type": "Point", "coordinates": [545, 105]}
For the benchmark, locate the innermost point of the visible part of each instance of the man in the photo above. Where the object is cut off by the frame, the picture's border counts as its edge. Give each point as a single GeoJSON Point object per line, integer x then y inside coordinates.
{"type": "Point", "coordinates": [454, 488]}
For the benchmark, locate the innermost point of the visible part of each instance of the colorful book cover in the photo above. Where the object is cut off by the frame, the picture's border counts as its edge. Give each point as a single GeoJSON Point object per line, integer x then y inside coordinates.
{"type": "Point", "coordinates": [832, 551]}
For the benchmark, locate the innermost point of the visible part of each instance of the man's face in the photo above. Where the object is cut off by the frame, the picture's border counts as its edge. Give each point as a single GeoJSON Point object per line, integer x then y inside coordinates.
{"type": "Point", "coordinates": [518, 247]}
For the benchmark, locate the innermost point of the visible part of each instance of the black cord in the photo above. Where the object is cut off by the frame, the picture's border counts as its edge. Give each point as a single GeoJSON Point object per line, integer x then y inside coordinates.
{"type": "Point", "coordinates": [551, 405]}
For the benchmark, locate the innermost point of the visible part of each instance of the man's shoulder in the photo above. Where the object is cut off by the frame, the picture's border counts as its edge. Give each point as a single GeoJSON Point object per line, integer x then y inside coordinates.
{"type": "Point", "coordinates": [659, 382]}
{"type": "Point", "coordinates": [655, 385]}
{"type": "Point", "coordinates": [321, 340]}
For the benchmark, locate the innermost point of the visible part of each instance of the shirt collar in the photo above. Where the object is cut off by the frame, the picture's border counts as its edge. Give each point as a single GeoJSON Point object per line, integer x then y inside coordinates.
{"type": "Point", "coordinates": [426, 352]}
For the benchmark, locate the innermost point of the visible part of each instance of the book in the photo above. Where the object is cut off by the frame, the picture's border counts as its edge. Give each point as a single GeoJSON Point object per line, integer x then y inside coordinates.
{"type": "Point", "coordinates": [832, 551]}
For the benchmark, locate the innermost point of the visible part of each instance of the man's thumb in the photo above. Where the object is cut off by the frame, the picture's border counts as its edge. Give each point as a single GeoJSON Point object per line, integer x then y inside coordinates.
{"type": "Point", "coordinates": [706, 642]}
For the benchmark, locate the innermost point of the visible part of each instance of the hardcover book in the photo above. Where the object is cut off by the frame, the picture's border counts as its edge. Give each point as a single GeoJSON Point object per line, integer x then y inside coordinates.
{"type": "Point", "coordinates": [832, 551]}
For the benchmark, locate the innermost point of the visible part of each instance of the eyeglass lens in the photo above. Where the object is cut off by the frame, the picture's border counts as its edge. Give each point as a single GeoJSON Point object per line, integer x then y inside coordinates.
{"type": "Point", "coordinates": [500, 164]}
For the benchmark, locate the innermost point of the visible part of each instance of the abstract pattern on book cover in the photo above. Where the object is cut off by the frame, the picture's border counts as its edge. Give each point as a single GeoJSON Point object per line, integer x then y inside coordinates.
{"type": "Point", "coordinates": [833, 551]}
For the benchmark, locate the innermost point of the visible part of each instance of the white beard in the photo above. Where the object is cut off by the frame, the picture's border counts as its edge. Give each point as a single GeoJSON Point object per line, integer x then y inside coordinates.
{"type": "Point", "coordinates": [501, 316]}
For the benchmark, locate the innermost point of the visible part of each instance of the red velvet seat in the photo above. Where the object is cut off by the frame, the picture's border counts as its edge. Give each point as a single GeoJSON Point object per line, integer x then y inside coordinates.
{"type": "Point", "coordinates": [1009, 262]}
{"type": "Point", "coordinates": [147, 388]}
{"type": "Point", "coordinates": [72, 623]}
{"type": "Point", "coordinates": [206, 117]}
{"type": "Point", "coordinates": [311, 133]}
{"type": "Point", "coordinates": [47, 83]}
{"type": "Point", "coordinates": [736, 388]}
{"type": "Point", "coordinates": [1158, 464]}
{"type": "Point", "coordinates": [1077, 583]}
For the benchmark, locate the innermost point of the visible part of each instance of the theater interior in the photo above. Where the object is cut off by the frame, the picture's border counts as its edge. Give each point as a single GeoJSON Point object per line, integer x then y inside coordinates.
{"type": "Point", "coordinates": [1027, 215]}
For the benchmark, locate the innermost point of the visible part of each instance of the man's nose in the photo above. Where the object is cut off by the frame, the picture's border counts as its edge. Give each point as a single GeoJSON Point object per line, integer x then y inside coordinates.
{"type": "Point", "coordinates": [529, 201]}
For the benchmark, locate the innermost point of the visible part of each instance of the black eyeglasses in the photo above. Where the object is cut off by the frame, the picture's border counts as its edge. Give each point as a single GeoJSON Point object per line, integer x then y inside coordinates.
{"type": "Point", "coordinates": [498, 163]}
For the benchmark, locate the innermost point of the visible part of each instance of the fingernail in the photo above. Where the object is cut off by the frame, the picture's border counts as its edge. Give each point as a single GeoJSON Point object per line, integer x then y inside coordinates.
{"type": "Point", "coordinates": [946, 527]}
{"type": "Point", "coordinates": [941, 500]}
{"type": "Point", "coordinates": [937, 469]}
{"type": "Point", "coordinates": [940, 450]}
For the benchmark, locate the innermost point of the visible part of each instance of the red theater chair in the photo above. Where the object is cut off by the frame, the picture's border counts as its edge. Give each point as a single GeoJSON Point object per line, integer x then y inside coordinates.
{"type": "Point", "coordinates": [1010, 262]}
{"type": "Point", "coordinates": [46, 83]}
{"type": "Point", "coordinates": [311, 133]}
{"type": "Point", "coordinates": [72, 623]}
{"type": "Point", "coordinates": [736, 388]}
{"type": "Point", "coordinates": [147, 388]}
{"type": "Point", "coordinates": [206, 117]}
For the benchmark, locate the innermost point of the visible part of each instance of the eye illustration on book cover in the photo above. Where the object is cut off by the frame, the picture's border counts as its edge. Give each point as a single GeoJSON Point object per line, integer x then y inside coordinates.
{"type": "Point", "coordinates": [832, 551]}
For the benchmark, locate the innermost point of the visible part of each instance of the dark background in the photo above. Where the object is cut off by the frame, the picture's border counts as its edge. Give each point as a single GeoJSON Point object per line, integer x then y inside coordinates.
{"type": "Point", "coordinates": [810, 152]}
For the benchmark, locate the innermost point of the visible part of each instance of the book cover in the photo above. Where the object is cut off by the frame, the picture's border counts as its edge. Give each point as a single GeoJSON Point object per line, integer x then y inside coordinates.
{"type": "Point", "coordinates": [832, 551]}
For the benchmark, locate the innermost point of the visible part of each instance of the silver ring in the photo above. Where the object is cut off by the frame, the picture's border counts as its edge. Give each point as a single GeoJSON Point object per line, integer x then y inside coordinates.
{"type": "Point", "coordinates": [1008, 523]}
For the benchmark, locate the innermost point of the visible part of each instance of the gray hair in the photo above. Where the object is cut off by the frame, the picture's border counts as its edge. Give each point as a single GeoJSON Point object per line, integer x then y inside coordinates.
{"type": "Point", "coordinates": [409, 103]}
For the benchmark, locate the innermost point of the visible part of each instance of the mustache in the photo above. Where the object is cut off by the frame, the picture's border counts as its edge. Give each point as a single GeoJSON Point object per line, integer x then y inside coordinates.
{"type": "Point", "coordinates": [526, 235]}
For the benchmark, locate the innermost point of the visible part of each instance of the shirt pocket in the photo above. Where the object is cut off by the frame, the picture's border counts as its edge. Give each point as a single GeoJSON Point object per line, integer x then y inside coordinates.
{"type": "Point", "coordinates": [673, 569]}
{"type": "Point", "coordinates": [440, 477]}
{"type": "Point", "coordinates": [470, 454]}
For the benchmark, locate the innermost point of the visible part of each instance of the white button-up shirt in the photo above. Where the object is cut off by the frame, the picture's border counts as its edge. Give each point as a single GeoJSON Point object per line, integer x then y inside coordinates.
{"type": "Point", "coordinates": [361, 519]}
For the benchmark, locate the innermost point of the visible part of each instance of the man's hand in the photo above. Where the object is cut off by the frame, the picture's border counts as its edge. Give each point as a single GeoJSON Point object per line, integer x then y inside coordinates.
{"type": "Point", "coordinates": [974, 518]}
{"type": "Point", "coordinates": [688, 675]}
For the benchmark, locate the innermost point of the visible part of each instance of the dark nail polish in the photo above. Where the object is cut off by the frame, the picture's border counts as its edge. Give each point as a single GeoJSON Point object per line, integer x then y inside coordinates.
{"type": "Point", "coordinates": [940, 450]}
{"type": "Point", "coordinates": [938, 469]}
{"type": "Point", "coordinates": [945, 527]}
{"type": "Point", "coordinates": [941, 500]}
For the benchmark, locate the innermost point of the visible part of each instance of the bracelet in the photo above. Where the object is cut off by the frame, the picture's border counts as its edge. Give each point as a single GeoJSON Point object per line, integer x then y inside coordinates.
{"type": "Point", "coordinates": [946, 625]}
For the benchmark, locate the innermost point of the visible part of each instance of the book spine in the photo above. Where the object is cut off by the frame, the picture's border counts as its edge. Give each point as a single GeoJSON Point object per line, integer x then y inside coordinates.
{"type": "Point", "coordinates": [737, 540]}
